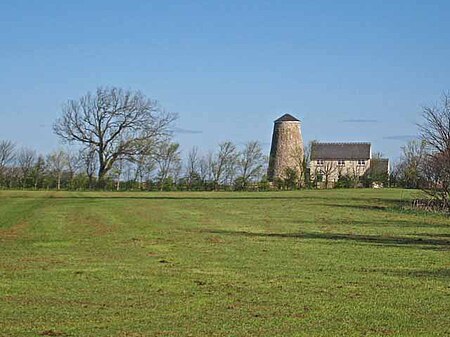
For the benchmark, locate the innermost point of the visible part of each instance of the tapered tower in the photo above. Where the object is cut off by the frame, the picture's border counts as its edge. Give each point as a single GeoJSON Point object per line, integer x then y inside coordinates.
{"type": "Point", "coordinates": [287, 147]}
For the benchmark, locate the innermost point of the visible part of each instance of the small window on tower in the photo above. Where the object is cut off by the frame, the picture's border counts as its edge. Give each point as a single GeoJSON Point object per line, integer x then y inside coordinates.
{"type": "Point", "coordinates": [320, 162]}
{"type": "Point", "coordinates": [341, 162]}
{"type": "Point", "coordinates": [361, 162]}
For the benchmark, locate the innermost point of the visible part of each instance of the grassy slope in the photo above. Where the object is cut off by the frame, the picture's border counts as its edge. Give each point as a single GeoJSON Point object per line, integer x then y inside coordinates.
{"type": "Point", "coordinates": [309, 263]}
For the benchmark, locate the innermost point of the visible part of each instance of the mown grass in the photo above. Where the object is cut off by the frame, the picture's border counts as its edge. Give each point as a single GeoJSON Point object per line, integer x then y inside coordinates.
{"type": "Point", "coordinates": [307, 263]}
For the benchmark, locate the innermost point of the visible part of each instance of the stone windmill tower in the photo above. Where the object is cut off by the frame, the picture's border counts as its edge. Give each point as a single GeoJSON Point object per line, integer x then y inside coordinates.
{"type": "Point", "coordinates": [287, 147]}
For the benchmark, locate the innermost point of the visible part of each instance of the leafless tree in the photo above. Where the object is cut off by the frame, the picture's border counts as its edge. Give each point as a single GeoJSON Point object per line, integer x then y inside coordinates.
{"type": "Point", "coordinates": [300, 161]}
{"type": "Point", "coordinates": [327, 170]}
{"type": "Point", "coordinates": [7, 154]}
{"type": "Point", "coordinates": [223, 163]}
{"type": "Point", "coordinates": [308, 152]}
{"type": "Point", "coordinates": [435, 131]}
{"type": "Point", "coordinates": [144, 166]}
{"type": "Point", "coordinates": [210, 166]}
{"type": "Point", "coordinates": [168, 160]}
{"type": "Point", "coordinates": [89, 164]}
{"type": "Point", "coordinates": [192, 167]}
{"type": "Point", "coordinates": [74, 164]}
{"type": "Point", "coordinates": [437, 172]}
{"type": "Point", "coordinates": [38, 172]}
{"type": "Point", "coordinates": [57, 164]}
{"type": "Point", "coordinates": [355, 172]}
{"type": "Point", "coordinates": [128, 173]}
{"type": "Point", "coordinates": [307, 175]}
{"type": "Point", "coordinates": [25, 161]}
{"type": "Point", "coordinates": [114, 123]}
{"type": "Point", "coordinates": [250, 162]}
{"type": "Point", "coordinates": [204, 169]}
{"type": "Point", "coordinates": [409, 170]}
{"type": "Point", "coordinates": [230, 172]}
{"type": "Point", "coordinates": [117, 171]}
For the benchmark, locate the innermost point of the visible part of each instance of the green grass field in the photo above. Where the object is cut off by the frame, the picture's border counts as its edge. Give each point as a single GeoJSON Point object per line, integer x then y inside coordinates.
{"type": "Point", "coordinates": [307, 263]}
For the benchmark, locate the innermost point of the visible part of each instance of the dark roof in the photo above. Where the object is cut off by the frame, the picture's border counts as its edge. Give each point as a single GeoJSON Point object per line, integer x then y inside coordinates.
{"type": "Point", "coordinates": [379, 166]}
{"type": "Point", "coordinates": [343, 151]}
{"type": "Point", "coordinates": [287, 118]}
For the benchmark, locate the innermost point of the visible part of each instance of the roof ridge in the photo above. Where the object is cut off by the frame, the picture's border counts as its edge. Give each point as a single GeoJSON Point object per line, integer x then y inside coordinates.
{"type": "Point", "coordinates": [343, 143]}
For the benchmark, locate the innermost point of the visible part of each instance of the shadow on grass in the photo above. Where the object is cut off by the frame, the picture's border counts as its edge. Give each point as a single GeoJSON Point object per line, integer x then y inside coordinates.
{"type": "Point", "coordinates": [433, 244]}
{"type": "Point", "coordinates": [389, 204]}
{"type": "Point", "coordinates": [440, 274]}
{"type": "Point", "coordinates": [313, 200]}
{"type": "Point", "coordinates": [433, 235]}
{"type": "Point", "coordinates": [395, 206]}
{"type": "Point", "coordinates": [381, 223]}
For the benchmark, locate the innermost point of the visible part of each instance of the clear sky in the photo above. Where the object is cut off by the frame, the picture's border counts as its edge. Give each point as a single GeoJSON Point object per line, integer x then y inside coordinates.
{"type": "Point", "coordinates": [350, 70]}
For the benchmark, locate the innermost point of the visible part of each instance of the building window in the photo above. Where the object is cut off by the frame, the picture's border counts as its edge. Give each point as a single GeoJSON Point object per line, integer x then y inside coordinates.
{"type": "Point", "coordinates": [341, 162]}
{"type": "Point", "coordinates": [361, 162]}
{"type": "Point", "coordinates": [319, 162]}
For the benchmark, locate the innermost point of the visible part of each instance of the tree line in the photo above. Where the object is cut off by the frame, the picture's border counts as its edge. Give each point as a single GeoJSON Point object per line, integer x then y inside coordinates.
{"type": "Point", "coordinates": [120, 139]}
{"type": "Point", "coordinates": [227, 168]}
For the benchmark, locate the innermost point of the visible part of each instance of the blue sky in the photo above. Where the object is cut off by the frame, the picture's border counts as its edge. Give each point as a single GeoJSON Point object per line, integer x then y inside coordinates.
{"type": "Point", "coordinates": [350, 70]}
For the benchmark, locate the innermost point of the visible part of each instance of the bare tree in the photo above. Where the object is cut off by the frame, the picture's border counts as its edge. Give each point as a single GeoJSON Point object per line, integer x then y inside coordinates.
{"type": "Point", "coordinates": [114, 123]}
{"type": "Point", "coordinates": [307, 174]}
{"type": "Point", "coordinates": [411, 163]}
{"type": "Point", "coordinates": [299, 158]}
{"type": "Point", "coordinates": [7, 154]}
{"type": "Point", "coordinates": [57, 163]}
{"type": "Point", "coordinates": [192, 167]}
{"type": "Point", "coordinates": [223, 163]}
{"type": "Point", "coordinates": [89, 165]}
{"type": "Point", "coordinates": [74, 165]}
{"type": "Point", "coordinates": [38, 172]}
{"type": "Point", "coordinates": [25, 161]}
{"type": "Point", "coordinates": [128, 174]}
{"type": "Point", "coordinates": [435, 131]}
{"type": "Point", "coordinates": [168, 160]}
{"type": "Point", "coordinates": [117, 171]}
{"type": "Point", "coordinates": [328, 169]}
{"type": "Point", "coordinates": [250, 163]}
{"type": "Point", "coordinates": [144, 166]}
{"type": "Point", "coordinates": [204, 169]}
{"type": "Point", "coordinates": [437, 172]}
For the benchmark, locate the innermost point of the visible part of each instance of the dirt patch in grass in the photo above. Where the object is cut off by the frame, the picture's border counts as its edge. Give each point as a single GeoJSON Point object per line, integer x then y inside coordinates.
{"type": "Point", "coordinates": [51, 333]}
{"type": "Point", "coordinates": [14, 232]}
{"type": "Point", "coordinates": [93, 222]}
{"type": "Point", "coordinates": [215, 239]}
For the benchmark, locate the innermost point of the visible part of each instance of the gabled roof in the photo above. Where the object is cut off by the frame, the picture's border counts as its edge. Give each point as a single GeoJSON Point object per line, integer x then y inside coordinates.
{"type": "Point", "coordinates": [343, 151]}
{"type": "Point", "coordinates": [287, 118]}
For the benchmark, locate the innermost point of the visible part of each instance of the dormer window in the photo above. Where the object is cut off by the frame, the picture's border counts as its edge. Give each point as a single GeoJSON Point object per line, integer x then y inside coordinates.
{"type": "Point", "coordinates": [341, 162]}
{"type": "Point", "coordinates": [319, 162]}
{"type": "Point", "coordinates": [361, 162]}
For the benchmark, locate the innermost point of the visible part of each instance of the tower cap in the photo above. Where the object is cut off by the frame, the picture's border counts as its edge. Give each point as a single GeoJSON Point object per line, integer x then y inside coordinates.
{"type": "Point", "coordinates": [287, 118]}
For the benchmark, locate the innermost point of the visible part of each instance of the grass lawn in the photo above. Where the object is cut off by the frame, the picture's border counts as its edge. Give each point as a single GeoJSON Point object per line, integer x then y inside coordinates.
{"type": "Point", "coordinates": [307, 263]}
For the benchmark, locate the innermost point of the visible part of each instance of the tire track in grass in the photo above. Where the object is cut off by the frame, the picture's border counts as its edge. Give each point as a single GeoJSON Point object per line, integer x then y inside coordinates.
{"type": "Point", "coordinates": [16, 216]}
{"type": "Point", "coordinates": [16, 211]}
